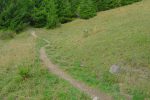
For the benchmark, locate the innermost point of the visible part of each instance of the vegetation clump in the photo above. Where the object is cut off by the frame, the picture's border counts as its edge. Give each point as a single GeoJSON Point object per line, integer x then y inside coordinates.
{"type": "Point", "coordinates": [24, 72]}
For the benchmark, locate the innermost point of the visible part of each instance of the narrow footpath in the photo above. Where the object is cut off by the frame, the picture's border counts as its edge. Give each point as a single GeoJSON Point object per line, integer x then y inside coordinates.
{"type": "Point", "coordinates": [93, 93]}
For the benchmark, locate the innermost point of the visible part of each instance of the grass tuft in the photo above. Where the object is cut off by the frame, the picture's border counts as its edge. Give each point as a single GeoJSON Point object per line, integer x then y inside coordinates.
{"type": "Point", "coordinates": [24, 72]}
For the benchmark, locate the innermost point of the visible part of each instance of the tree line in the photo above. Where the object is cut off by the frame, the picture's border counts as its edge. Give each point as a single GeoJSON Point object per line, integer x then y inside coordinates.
{"type": "Point", "coordinates": [15, 15]}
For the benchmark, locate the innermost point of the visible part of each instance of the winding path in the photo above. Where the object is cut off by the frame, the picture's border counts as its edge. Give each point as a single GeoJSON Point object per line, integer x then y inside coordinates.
{"type": "Point", "coordinates": [95, 94]}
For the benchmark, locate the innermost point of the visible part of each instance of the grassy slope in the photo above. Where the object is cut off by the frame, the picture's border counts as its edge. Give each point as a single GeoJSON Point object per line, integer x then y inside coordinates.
{"type": "Point", "coordinates": [87, 48]}
{"type": "Point", "coordinates": [22, 77]}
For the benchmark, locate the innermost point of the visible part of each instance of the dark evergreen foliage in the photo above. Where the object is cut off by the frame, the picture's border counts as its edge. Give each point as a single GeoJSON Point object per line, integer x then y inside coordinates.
{"type": "Point", "coordinates": [64, 10]}
{"type": "Point", "coordinates": [74, 7]}
{"type": "Point", "coordinates": [16, 14]}
{"type": "Point", "coordinates": [38, 14]}
{"type": "Point", "coordinates": [87, 9]}
{"type": "Point", "coordinates": [52, 17]}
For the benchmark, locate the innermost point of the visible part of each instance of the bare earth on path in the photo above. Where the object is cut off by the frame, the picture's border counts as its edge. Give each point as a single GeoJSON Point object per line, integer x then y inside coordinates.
{"type": "Point", "coordinates": [95, 94]}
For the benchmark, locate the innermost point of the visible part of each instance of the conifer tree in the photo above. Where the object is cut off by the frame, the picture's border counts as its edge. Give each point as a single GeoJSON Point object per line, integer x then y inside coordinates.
{"type": "Point", "coordinates": [14, 14]}
{"type": "Point", "coordinates": [20, 15]}
{"type": "Point", "coordinates": [95, 2]}
{"type": "Point", "coordinates": [74, 6]}
{"type": "Point", "coordinates": [38, 14]}
{"type": "Point", "coordinates": [64, 10]}
{"type": "Point", "coordinates": [87, 9]}
{"type": "Point", "coordinates": [52, 17]}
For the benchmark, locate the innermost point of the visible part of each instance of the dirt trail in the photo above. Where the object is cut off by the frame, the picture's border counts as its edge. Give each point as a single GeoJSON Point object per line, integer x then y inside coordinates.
{"type": "Point", "coordinates": [95, 95]}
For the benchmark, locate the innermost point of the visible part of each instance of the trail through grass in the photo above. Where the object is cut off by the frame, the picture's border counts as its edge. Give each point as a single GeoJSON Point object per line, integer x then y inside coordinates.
{"type": "Point", "coordinates": [87, 48]}
{"type": "Point", "coordinates": [23, 77]}
{"type": "Point", "coordinates": [93, 93]}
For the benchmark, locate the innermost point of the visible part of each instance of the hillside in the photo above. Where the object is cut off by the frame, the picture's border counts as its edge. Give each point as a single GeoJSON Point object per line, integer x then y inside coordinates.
{"type": "Point", "coordinates": [85, 50]}
{"type": "Point", "coordinates": [16, 16]}
{"type": "Point", "coordinates": [23, 77]}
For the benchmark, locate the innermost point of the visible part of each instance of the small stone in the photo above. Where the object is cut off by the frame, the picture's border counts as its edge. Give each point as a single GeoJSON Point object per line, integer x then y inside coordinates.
{"type": "Point", "coordinates": [81, 65]}
{"type": "Point", "coordinates": [95, 98]}
{"type": "Point", "coordinates": [114, 69]}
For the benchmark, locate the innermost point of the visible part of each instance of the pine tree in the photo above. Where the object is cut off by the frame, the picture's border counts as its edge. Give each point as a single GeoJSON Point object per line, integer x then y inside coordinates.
{"type": "Point", "coordinates": [74, 6]}
{"type": "Point", "coordinates": [14, 14]}
{"type": "Point", "coordinates": [5, 16]}
{"type": "Point", "coordinates": [52, 17]}
{"type": "Point", "coordinates": [87, 9]}
{"type": "Point", "coordinates": [38, 14]}
{"type": "Point", "coordinates": [3, 4]}
{"type": "Point", "coordinates": [95, 2]}
{"type": "Point", "coordinates": [64, 10]}
{"type": "Point", "coordinates": [20, 14]}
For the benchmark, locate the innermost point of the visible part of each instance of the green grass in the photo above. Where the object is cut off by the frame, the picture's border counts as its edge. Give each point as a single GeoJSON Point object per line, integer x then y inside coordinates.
{"type": "Point", "coordinates": [87, 48]}
{"type": "Point", "coordinates": [22, 75]}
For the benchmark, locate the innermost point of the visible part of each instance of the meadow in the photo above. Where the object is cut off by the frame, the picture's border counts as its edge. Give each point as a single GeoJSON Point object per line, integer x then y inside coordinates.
{"type": "Point", "coordinates": [23, 77]}
{"type": "Point", "coordinates": [86, 49]}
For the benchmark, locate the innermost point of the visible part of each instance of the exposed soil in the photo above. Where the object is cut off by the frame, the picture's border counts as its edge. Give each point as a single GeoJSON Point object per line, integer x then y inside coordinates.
{"type": "Point", "coordinates": [93, 93]}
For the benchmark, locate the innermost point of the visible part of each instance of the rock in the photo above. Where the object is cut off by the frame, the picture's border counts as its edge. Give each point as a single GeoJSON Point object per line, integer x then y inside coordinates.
{"type": "Point", "coordinates": [81, 65]}
{"type": "Point", "coordinates": [95, 98]}
{"type": "Point", "coordinates": [114, 69]}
